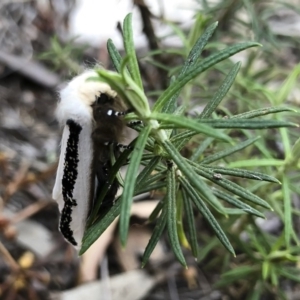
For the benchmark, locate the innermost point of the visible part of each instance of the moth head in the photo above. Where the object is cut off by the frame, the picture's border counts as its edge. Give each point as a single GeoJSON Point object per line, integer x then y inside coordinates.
{"type": "Point", "coordinates": [88, 88]}
{"type": "Point", "coordinates": [104, 102]}
{"type": "Point", "coordinates": [78, 97]}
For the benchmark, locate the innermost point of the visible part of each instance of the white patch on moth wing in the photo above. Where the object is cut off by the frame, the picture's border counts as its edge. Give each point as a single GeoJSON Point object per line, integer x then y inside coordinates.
{"type": "Point", "coordinates": [57, 189]}
{"type": "Point", "coordinates": [109, 112]}
{"type": "Point", "coordinates": [78, 96]}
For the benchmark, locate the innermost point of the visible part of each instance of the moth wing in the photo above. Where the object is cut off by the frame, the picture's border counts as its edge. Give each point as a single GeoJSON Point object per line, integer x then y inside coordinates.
{"type": "Point", "coordinates": [83, 192]}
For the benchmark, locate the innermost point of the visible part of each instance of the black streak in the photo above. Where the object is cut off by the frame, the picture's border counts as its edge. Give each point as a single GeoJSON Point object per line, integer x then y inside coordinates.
{"type": "Point", "coordinates": [107, 131]}
{"type": "Point", "coordinates": [68, 181]}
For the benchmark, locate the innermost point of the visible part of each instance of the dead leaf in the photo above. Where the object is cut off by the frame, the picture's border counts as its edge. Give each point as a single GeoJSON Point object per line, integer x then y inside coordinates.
{"type": "Point", "coordinates": [92, 258]}
{"type": "Point", "coordinates": [137, 240]}
{"type": "Point", "coordinates": [94, 255]}
{"type": "Point", "coordinates": [133, 285]}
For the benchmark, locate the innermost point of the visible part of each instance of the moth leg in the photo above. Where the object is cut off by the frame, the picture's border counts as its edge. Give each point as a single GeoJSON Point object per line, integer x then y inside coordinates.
{"type": "Point", "coordinates": [134, 123]}
{"type": "Point", "coordinates": [118, 145]}
{"type": "Point", "coordinates": [116, 113]}
{"type": "Point", "coordinates": [123, 147]}
{"type": "Point", "coordinates": [102, 174]}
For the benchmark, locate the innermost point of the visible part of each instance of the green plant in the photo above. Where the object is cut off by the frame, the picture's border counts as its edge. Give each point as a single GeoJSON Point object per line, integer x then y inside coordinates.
{"type": "Point", "coordinates": [63, 56]}
{"type": "Point", "coordinates": [268, 78]}
{"type": "Point", "coordinates": [165, 132]}
{"type": "Point", "coordinates": [264, 263]}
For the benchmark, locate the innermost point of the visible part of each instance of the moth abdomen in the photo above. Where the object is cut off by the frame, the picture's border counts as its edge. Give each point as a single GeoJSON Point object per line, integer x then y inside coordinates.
{"type": "Point", "coordinates": [107, 133]}
{"type": "Point", "coordinates": [102, 174]}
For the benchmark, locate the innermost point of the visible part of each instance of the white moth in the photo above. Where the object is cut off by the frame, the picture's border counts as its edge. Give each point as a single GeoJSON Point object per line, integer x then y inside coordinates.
{"type": "Point", "coordinates": [88, 111]}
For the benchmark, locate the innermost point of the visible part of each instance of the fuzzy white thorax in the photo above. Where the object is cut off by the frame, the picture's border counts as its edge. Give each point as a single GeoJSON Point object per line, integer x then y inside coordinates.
{"type": "Point", "coordinates": [78, 96]}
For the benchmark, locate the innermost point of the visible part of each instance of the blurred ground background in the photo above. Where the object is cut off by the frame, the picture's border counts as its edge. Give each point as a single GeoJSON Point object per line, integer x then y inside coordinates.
{"type": "Point", "coordinates": [37, 56]}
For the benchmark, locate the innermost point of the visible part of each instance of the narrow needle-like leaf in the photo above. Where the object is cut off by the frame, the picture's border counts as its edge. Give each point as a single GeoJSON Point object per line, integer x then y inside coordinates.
{"type": "Point", "coordinates": [156, 234]}
{"type": "Point", "coordinates": [287, 210]}
{"type": "Point", "coordinates": [191, 228]}
{"type": "Point", "coordinates": [192, 176]}
{"type": "Point", "coordinates": [130, 51]}
{"type": "Point", "coordinates": [233, 187]}
{"type": "Point", "coordinates": [247, 124]}
{"type": "Point", "coordinates": [114, 55]}
{"type": "Point", "coordinates": [183, 122]}
{"type": "Point", "coordinates": [221, 92]}
{"type": "Point", "coordinates": [171, 215]}
{"type": "Point", "coordinates": [207, 214]}
{"type": "Point", "coordinates": [147, 170]}
{"type": "Point", "coordinates": [240, 173]}
{"type": "Point", "coordinates": [211, 158]}
{"type": "Point", "coordinates": [190, 61]}
{"type": "Point", "coordinates": [158, 208]}
{"type": "Point", "coordinates": [237, 203]}
{"type": "Point", "coordinates": [93, 232]}
{"type": "Point", "coordinates": [261, 112]}
{"type": "Point", "coordinates": [197, 69]}
{"type": "Point", "coordinates": [130, 179]}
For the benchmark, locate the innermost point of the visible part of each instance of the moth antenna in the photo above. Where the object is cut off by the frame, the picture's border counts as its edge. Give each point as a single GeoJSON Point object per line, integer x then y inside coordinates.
{"type": "Point", "coordinates": [118, 145]}
{"type": "Point", "coordinates": [123, 147]}
{"type": "Point", "coordinates": [112, 112]}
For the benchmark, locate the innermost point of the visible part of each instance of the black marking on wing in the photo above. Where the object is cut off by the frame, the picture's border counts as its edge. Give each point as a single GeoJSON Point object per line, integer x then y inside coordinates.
{"type": "Point", "coordinates": [70, 174]}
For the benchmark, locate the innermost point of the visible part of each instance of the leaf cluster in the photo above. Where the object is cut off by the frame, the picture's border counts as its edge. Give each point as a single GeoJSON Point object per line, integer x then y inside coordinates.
{"type": "Point", "coordinates": [190, 183]}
